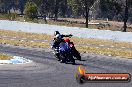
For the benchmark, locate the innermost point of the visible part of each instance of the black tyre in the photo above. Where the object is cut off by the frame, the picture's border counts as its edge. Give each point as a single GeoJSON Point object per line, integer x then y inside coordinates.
{"type": "Point", "coordinates": [76, 54]}
{"type": "Point", "coordinates": [78, 57]}
{"type": "Point", "coordinates": [71, 59]}
{"type": "Point", "coordinates": [57, 56]}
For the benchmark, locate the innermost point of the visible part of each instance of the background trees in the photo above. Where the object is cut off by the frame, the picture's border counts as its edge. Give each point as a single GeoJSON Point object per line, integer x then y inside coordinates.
{"type": "Point", "coordinates": [118, 10]}
{"type": "Point", "coordinates": [31, 10]}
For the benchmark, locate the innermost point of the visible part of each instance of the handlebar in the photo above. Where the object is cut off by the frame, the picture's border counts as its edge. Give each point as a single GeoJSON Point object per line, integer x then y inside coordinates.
{"type": "Point", "coordinates": [70, 35]}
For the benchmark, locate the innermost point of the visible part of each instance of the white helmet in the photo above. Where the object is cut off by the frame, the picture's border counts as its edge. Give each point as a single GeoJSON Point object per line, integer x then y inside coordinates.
{"type": "Point", "coordinates": [56, 32]}
{"type": "Point", "coordinates": [58, 36]}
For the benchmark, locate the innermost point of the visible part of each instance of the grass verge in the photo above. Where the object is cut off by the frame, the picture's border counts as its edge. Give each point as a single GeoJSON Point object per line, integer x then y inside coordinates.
{"type": "Point", "coordinates": [104, 51]}
{"type": "Point", "coordinates": [76, 40]}
{"type": "Point", "coordinates": [4, 56]}
{"type": "Point", "coordinates": [25, 43]}
{"type": "Point", "coordinates": [20, 34]}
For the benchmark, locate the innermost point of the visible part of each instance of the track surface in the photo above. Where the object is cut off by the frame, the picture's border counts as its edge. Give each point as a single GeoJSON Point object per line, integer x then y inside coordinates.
{"type": "Point", "coordinates": [46, 71]}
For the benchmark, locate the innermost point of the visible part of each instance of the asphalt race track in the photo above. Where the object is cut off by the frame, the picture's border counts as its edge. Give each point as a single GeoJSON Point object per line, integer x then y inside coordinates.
{"type": "Point", "coordinates": [46, 71]}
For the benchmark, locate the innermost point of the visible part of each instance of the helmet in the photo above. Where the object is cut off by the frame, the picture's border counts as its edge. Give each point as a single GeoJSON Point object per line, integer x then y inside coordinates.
{"type": "Point", "coordinates": [58, 36]}
{"type": "Point", "coordinates": [56, 32]}
{"type": "Point", "coordinates": [67, 40]}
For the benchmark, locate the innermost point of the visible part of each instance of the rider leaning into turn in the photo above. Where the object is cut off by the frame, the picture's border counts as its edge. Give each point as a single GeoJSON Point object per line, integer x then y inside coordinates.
{"type": "Point", "coordinates": [58, 38]}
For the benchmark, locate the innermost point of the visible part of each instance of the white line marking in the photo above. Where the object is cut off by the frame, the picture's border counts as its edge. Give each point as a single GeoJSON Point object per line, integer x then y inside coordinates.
{"type": "Point", "coordinates": [8, 44]}
{"type": "Point", "coordinates": [97, 47]}
{"type": "Point", "coordinates": [88, 44]}
{"type": "Point", "coordinates": [12, 39]}
{"type": "Point", "coordinates": [31, 41]}
{"type": "Point", "coordinates": [101, 45]}
{"type": "Point", "coordinates": [4, 36]}
{"type": "Point", "coordinates": [112, 46]}
{"type": "Point", "coordinates": [123, 47]}
{"type": "Point", "coordinates": [109, 55]}
{"type": "Point", "coordinates": [24, 38]}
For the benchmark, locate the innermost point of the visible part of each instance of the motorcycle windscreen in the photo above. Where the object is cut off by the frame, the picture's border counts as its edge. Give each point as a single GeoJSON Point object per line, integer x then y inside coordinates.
{"type": "Point", "coordinates": [64, 47]}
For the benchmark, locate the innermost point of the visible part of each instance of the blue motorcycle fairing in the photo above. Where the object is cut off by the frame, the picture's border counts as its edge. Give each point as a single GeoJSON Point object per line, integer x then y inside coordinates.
{"type": "Point", "coordinates": [64, 47]}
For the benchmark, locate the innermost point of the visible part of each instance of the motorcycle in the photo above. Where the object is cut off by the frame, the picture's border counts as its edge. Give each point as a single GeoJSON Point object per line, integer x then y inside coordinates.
{"type": "Point", "coordinates": [66, 53]}
{"type": "Point", "coordinates": [63, 53]}
{"type": "Point", "coordinates": [75, 53]}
